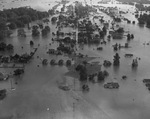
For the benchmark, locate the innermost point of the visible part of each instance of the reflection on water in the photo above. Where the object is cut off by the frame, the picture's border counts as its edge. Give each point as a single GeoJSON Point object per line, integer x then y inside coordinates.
{"type": "Point", "coordinates": [116, 69]}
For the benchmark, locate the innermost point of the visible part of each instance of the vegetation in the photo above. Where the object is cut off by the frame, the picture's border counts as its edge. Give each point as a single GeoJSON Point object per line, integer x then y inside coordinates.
{"type": "Point", "coordinates": [51, 11]}
{"type": "Point", "coordinates": [18, 18]}
{"type": "Point", "coordinates": [4, 31]}
{"type": "Point", "coordinates": [31, 43]}
{"type": "Point", "coordinates": [18, 72]}
{"type": "Point", "coordinates": [4, 47]}
{"type": "Point", "coordinates": [46, 30]}
{"type": "Point", "coordinates": [82, 11]}
{"type": "Point", "coordinates": [82, 72]}
{"type": "Point", "coordinates": [116, 19]}
{"type": "Point", "coordinates": [144, 19]}
{"type": "Point", "coordinates": [54, 19]}
{"type": "Point", "coordinates": [2, 94]}
{"type": "Point", "coordinates": [137, 1]}
{"type": "Point", "coordinates": [64, 49]}
{"type": "Point", "coordinates": [52, 62]}
{"type": "Point", "coordinates": [118, 34]}
{"type": "Point", "coordinates": [35, 31]}
{"type": "Point", "coordinates": [45, 61]}
{"type": "Point", "coordinates": [116, 59]}
{"type": "Point", "coordinates": [21, 32]}
{"type": "Point", "coordinates": [60, 62]}
{"type": "Point", "coordinates": [141, 7]}
{"type": "Point", "coordinates": [68, 62]}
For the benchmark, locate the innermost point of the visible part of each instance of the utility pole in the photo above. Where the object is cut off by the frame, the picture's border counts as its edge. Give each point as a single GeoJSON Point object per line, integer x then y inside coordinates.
{"type": "Point", "coordinates": [73, 110]}
{"type": "Point", "coordinates": [11, 84]}
{"type": "Point", "coordinates": [76, 24]}
{"type": "Point", "coordinates": [74, 84]}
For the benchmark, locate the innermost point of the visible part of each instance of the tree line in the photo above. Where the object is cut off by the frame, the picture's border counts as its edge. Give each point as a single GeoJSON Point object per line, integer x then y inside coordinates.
{"type": "Point", "coordinates": [144, 19]}
{"type": "Point", "coordinates": [17, 18]}
{"type": "Point", "coordinates": [137, 1]}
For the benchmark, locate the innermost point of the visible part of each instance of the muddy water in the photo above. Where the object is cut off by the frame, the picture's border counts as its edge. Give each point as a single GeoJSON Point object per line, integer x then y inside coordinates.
{"type": "Point", "coordinates": [36, 96]}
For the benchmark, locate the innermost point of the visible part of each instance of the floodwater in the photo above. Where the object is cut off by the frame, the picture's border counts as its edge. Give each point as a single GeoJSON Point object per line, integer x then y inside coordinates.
{"type": "Point", "coordinates": [37, 96]}
{"type": "Point", "coordinates": [39, 4]}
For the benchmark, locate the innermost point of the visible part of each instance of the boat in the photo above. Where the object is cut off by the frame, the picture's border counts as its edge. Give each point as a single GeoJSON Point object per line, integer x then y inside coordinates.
{"type": "Point", "coordinates": [111, 85]}
{"type": "Point", "coordinates": [100, 48]}
{"type": "Point", "coordinates": [128, 55]}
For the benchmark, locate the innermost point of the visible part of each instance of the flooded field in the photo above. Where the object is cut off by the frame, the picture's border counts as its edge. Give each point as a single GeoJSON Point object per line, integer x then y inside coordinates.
{"type": "Point", "coordinates": [36, 94]}
{"type": "Point", "coordinates": [38, 4]}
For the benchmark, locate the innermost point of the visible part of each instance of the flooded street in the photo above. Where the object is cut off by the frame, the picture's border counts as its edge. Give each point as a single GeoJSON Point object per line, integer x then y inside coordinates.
{"type": "Point", "coordinates": [37, 96]}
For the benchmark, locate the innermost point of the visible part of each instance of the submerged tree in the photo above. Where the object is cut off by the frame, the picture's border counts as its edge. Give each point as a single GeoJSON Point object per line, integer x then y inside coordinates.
{"type": "Point", "coordinates": [2, 46]}
{"type": "Point", "coordinates": [82, 72]}
{"type": "Point", "coordinates": [116, 59]}
{"type": "Point", "coordinates": [101, 76]}
{"type": "Point", "coordinates": [3, 28]}
{"type": "Point", "coordinates": [18, 72]}
{"type": "Point", "coordinates": [46, 30]}
{"type": "Point", "coordinates": [10, 47]}
{"type": "Point", "coordinates": [54, 19]}
{"type": "Point", "coordinates": [12, 26]}
{"type": "Point", "coordinates": [35, 31]}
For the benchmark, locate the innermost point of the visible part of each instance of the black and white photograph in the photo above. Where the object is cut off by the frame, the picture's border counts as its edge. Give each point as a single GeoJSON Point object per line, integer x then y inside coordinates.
{"type": "Point", "coordinates": [74, 59]}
